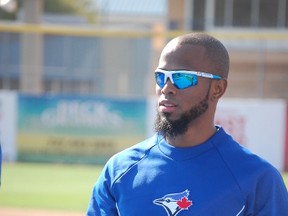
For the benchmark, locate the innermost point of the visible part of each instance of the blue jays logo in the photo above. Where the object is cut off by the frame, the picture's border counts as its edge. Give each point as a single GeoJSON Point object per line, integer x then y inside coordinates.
{"type": "Point", "coordinates": [174, 203]}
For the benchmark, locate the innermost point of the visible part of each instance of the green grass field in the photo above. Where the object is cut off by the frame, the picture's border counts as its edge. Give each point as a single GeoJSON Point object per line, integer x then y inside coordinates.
{"type": "Point", "coordinates": [47, 186]}
{"type": "Point", "coordinates": [50, 186]}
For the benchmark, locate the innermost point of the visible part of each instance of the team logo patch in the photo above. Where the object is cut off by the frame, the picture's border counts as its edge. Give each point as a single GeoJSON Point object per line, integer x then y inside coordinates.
{"type": "Point", "coordinates": [175, 202]}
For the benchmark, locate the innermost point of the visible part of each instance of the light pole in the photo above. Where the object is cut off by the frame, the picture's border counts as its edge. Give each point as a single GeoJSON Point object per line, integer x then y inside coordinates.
{"type": "Point", "coordinates": [31, 77]}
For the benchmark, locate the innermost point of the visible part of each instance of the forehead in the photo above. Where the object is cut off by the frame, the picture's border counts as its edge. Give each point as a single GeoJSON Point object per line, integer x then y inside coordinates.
{"type": "Point", "coordinates": [186, 56]}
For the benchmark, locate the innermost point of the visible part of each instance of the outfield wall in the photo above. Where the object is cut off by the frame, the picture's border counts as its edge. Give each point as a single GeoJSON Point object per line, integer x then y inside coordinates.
{"type": "Point", "coordinates": [91, 129]}
{"type": "Point", "coordinates": [8, 125]}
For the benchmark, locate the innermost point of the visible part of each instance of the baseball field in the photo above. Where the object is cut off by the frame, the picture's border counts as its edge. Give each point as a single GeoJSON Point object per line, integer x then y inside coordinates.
{"type": "Point", "coordinates": [51, 188]}
{"type": "Point", "coordinates": [48, 189]}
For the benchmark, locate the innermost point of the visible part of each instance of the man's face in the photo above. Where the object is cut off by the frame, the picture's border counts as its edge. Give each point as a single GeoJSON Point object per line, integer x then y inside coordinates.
{"type": "Point", "coordinates": [178, 109]}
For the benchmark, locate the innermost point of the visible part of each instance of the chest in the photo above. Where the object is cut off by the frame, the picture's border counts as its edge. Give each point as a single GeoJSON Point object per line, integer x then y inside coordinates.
{"type": "Point", "coordinates": [187, 188]}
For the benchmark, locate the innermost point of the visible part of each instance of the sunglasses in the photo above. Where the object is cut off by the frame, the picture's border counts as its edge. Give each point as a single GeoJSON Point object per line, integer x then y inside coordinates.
{"type": "Point", "coordinates": [181, 79]}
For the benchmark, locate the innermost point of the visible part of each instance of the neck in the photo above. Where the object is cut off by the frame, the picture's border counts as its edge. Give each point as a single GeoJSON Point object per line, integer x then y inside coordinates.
{"type": "Point", "coordinates": [193, 137]}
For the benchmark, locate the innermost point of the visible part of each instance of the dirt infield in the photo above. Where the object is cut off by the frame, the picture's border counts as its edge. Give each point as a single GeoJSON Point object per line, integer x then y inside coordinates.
{"type": "Point", "coordinates": [32, 212]}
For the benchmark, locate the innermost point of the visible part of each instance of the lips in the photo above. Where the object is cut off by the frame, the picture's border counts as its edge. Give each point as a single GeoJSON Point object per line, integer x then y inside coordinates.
{"type": "Point", "coordinates": [167, 103]}
{"type": "Point", "coordinates": [167, 106]}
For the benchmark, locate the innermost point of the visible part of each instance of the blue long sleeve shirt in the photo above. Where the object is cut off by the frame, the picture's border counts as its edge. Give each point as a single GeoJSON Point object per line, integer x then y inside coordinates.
{"type": "Point", "coordinates": [218, 177]}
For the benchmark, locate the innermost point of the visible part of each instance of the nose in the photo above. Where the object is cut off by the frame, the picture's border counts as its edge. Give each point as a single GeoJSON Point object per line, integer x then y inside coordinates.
{"type": "Point", "coordinates": [168, 88]}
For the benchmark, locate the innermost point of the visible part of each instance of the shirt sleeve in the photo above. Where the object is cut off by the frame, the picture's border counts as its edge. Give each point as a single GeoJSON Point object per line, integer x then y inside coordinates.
{"type": "Point", "coordinates": [102, 202]}
{"type": "Point", "coordinates": [271, 197]}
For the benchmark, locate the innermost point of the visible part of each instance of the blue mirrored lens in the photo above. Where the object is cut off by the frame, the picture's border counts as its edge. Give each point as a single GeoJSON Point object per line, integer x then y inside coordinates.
{"type": "Point", "coordinates": [183, 80]}
{"type": "Point", "coordinates": [160, 79]}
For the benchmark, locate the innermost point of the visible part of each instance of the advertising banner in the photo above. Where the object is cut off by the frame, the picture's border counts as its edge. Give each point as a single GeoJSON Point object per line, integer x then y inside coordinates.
{"type": "Point", "coordinates": [8, 105]}
{"type": "Point", "coordinates": [77, 129]}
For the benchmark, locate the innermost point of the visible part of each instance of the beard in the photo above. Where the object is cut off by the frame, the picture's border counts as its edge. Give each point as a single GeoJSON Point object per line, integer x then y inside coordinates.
{"type": "Point", "coordinates": [173, 128]}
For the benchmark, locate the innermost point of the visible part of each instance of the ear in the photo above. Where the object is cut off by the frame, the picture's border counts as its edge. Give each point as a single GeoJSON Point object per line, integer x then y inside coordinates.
{"type": "Point", "coordinates": [218, 89]}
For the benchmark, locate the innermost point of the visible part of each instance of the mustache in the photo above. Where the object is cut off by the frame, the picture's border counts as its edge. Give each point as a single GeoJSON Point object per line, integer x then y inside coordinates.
{"type": "Point", "coordinates": [173, 128]}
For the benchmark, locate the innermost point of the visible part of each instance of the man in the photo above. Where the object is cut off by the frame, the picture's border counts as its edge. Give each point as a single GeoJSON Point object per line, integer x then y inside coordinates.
{"type": "Point", "coordinates": [190, 166]}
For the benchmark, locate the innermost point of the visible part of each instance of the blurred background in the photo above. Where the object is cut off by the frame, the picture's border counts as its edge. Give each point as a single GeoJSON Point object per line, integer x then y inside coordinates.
{"type": "Point", "coordinates": [77, 82]}
{"type": "Point", "coordinates": [111, 47]}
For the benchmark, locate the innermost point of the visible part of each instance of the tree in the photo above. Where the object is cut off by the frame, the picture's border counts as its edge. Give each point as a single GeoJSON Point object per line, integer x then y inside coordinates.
{"type": "Point", "coordinates": [76, 7]}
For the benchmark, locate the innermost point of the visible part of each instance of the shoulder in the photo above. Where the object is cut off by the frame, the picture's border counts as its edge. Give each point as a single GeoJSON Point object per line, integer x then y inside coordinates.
{"type": "Point", "coordinates": [246, 166]}
{"type": "Point", "coordinates": [260, 182]}
{"type": "Point", "coordinates": [236, 155]}
{"type": "Point", "coordinates": [124, 160]}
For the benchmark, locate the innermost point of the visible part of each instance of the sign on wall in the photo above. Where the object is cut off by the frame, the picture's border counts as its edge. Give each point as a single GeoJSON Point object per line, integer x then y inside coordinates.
{"type": "Point", "coordinates": [71, 129]}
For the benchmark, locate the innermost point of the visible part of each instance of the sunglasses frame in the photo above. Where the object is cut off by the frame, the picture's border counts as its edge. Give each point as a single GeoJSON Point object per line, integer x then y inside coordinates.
{"type": "Point", "coordinates": [168, 74]}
